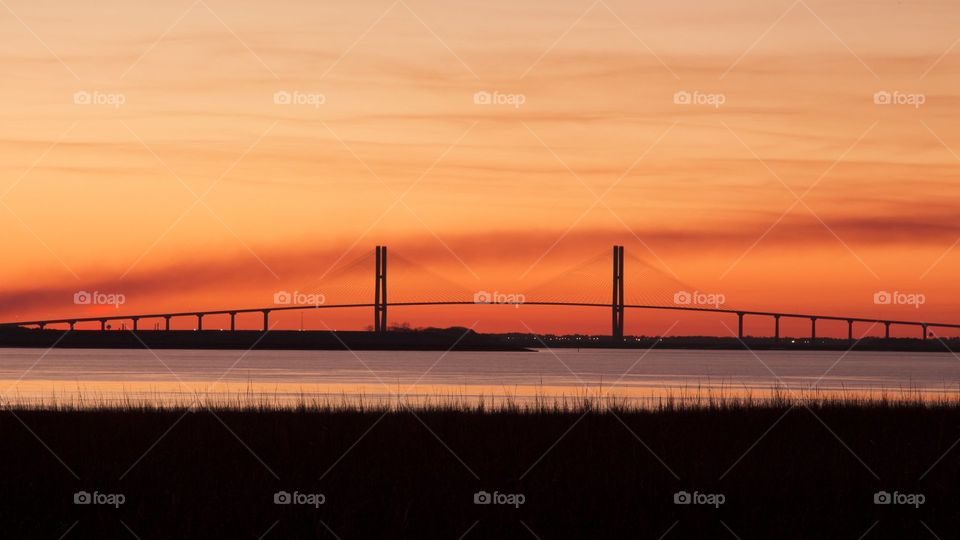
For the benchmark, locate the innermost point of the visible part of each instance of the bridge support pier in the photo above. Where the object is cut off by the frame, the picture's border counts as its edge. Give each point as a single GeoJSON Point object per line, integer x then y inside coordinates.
{"type": "Point", "coordinates": [617, 302]}
{"type": "Point", "coordinates": [233, 321]}
{"type": "Point", "coordinates": [924, 326]}
{"type": "Point", "coordinates": [136, 321]}
{"type": "Point", "coordinates": [849, 329]}
{"type": "Point", "coordinates": [740, 325]}
{"type": "Point", "coordinates": [813, 328]}
{"type": "Point", "coordinates": [166, 325]}
{"type": "Point", "coordinates": [776, 327]}
{"type": "Point", "coordinates": [199, 322]}
{"type": "Point", "coordinates": [380, 291]}
{"type": "Point", "coordinates": [266, 320]}
{"type": "Point", "coordinates": [72, 324]}
{"type": "Point", "coordinates": [41, 325]}
{"type": "Point", "coordinates": [103, 325]}
{"type": "Point", "coordinates": [886, 330]}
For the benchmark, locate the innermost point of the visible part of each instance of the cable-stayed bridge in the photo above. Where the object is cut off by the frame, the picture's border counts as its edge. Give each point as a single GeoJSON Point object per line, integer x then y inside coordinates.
{"type": "Point", "coordinates": [618, 305]}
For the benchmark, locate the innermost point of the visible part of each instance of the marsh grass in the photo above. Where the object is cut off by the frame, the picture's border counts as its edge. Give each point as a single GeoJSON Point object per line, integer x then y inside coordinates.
{"type": "Point", "coordinates": [578, 401]}
{"type": "Point", "coordinates": [790, 465]}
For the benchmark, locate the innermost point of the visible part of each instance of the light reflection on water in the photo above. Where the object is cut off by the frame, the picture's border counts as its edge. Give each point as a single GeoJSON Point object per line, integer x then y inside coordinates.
{"type": "Point", "coordinates": [285, 377]}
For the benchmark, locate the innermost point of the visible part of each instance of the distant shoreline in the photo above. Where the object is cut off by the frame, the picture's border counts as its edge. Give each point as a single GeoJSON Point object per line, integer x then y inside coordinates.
{"type": "Point", "coordinates": [431, 339]}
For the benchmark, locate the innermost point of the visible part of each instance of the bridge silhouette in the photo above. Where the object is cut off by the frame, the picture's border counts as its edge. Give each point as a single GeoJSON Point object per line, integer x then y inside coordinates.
{"type": "Point", "coordinates": [617, 306]}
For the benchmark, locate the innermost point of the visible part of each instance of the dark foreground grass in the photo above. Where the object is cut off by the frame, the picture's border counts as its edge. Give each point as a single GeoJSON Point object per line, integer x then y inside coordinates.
{"type": "Point", "coordinates": [784, 471]}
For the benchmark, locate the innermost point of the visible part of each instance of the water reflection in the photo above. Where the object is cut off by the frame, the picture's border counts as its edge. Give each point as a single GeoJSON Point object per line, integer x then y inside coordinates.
{"type": "Point", "coordinates": [108, 377]}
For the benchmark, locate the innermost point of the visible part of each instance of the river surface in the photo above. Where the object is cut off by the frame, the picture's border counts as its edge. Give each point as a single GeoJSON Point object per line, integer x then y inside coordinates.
{"type": "Point", "coordinates": [94, 376]}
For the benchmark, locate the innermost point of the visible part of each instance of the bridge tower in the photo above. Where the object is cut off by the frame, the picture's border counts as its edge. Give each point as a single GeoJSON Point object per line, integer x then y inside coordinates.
{"type": "Point", "coordinates": [380, 291]}
{"type": "Point", "coordinates": [616, 306]}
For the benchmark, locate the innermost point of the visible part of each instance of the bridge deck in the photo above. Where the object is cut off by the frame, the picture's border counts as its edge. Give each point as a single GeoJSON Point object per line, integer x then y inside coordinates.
{"type": "Point", "coordinates": [271, 309]}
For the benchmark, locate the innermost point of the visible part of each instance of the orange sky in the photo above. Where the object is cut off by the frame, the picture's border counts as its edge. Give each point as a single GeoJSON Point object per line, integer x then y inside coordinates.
{"type": "Point", "coordinates": [177, 179]}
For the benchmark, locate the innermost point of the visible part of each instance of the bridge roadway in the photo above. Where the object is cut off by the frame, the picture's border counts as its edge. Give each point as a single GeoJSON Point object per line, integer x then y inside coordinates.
{"type": "Point", "coordinates": [72, 321]}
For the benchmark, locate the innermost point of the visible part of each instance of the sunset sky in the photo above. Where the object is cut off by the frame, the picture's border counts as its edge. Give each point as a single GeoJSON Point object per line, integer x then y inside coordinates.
{"type": "Point", "coordinates": [207, 154]}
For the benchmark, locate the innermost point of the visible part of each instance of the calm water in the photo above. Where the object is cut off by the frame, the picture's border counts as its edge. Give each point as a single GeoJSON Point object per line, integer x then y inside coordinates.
{"type": "Point", "coordinates": [172, 375]}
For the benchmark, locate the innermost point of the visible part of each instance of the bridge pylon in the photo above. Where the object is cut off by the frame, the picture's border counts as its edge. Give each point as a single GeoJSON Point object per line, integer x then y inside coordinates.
{"type": "Point", "coordinates": [380, 291]}
{"type": "Point", "coordinates": [616, 305]}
